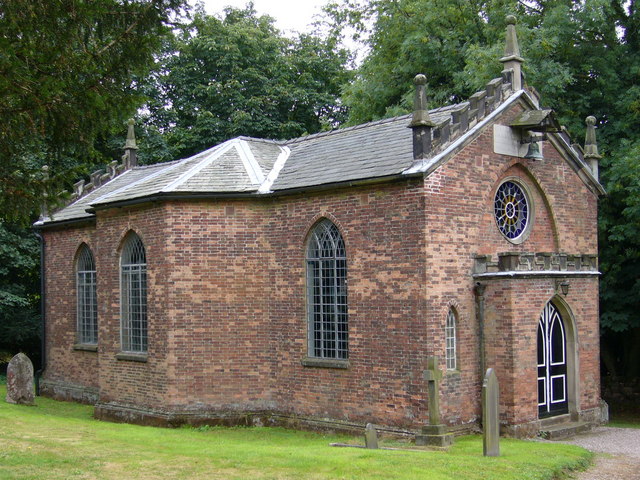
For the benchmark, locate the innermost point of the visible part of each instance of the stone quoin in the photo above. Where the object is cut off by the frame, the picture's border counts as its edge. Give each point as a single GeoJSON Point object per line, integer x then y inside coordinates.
{"type": "Point", "coordinates": [307, 282]}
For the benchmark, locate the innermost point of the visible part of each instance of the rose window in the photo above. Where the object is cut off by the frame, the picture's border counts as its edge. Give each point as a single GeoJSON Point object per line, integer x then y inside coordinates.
{"type": "Point", "coordinates": [511, 210]}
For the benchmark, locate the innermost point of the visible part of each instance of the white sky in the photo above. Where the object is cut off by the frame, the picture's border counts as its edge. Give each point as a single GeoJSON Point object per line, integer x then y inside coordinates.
{"type": "Point", "coordinates": [290, 15]}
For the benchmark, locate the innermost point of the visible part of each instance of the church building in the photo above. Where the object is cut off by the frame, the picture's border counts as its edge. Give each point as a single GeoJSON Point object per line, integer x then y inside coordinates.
{"type": "Point", "coordinates": [311, 282]}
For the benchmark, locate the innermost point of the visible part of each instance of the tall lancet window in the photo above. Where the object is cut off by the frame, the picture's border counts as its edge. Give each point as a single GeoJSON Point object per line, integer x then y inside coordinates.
{"type": "Point", "coordinates": [133, 285]}
{"type": "Point", "coordinates": [87, 304]}
{"type": "Point", "coordinates": [327, 293]}
{"type": "Point", "coordinates": [451, 354]}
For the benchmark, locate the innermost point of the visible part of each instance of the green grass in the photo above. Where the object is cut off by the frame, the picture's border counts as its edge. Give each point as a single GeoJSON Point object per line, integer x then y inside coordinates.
{"type": "Point", "coordinates": [625, 420]}
{"type": "Point", "coordinates": [61, 440]}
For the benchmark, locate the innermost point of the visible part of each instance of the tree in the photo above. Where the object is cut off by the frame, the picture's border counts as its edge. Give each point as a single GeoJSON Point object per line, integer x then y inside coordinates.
{"type": "Point", "coordinates": [457, 43]}
{"type": "Point", "coordinates": [573, 53]}
{"type": "Point", "coordinates": [68, 73]}
{"type": "Point", "coordinates": [19, 293]}
{"type": "Point", "coordinates": [620, 262]}
{"type": "Point", "coordinates": [237, 75]}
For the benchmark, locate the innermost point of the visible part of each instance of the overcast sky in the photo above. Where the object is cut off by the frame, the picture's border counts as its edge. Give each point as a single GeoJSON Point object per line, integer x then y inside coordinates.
{"type": "Point", "coordinates": [289, 14]}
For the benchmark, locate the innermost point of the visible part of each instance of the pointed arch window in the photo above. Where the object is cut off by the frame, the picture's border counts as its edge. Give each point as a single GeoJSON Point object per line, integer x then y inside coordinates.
{"type": "Point", "coordinates": [327, 293]}
{"type": "Point", "coordinates": [133, 306]}
{"type": "Point", "coordinates": [451, 354]}
{"type": "Point", "coordinates": [87, 304]}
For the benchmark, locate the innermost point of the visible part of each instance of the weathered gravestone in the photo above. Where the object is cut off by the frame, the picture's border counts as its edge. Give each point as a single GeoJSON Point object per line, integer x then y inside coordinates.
{"type": "Point", "coordinates": [490, 415]}
{"type": "Point", "coordinates": [20, 388]}
{"type": "Point", "coordinates": [435, 433]}
{"type": "Point", "coordinates": [370, 436]}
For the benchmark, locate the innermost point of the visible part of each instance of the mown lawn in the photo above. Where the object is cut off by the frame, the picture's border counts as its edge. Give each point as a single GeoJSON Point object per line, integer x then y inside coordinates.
{"type": "Point", "coordinates": [61, 440]}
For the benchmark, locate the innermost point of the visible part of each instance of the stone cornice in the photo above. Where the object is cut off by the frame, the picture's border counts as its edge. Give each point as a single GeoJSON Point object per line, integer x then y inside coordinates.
{"type": "Point", "coordinates": [511, 264]}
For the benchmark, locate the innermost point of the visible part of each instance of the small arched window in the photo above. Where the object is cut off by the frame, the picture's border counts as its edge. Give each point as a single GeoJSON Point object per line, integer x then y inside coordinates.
{"type": "Point", "coordinates": [87, 304]}
{"type": "Point", "coordinates": [133, 284]}
{"type": "Point", "coordinates": [327, 293]}
{"type": "Point", "coordinates": [451, 340]}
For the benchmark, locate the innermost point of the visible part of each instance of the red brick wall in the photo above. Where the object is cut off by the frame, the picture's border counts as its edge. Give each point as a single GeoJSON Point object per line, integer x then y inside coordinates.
{"type": "Point", "coordinates": [383, 230]}
{"type": "Point", "coordinates": [126, 381]}
{"type": "Point", "coordinates": [227, 303]}
{"type": "Point", "coordinates": [460, 223]}
{"type": "Point", "coordinates": [217, 305]}
{"type": "Point", "coordinates": [63, 362]}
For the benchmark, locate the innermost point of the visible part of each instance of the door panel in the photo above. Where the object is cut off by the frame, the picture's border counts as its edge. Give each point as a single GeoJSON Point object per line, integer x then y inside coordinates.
{"type": "Point", "coordinates": [552, 363]}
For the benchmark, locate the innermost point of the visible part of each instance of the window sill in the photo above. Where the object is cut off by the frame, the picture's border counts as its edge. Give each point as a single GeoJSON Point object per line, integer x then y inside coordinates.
{"type": "Point", "coordinates": [86, 347]}
{"type": "Point", "coordinates": [132, 357]}
{"type": "Point", "coordinates": [453, 373]}
{"type": "Point", "coordinates": [324, 362]}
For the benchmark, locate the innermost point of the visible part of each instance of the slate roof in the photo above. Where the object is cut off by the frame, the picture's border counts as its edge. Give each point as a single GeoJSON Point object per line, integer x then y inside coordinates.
{"type": "Point", "coordinates": [249, 166]}
{"type": "Point", "coordinates": [376, 149]}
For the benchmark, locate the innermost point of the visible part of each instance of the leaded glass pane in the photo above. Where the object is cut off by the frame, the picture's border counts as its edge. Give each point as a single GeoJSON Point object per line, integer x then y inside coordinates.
{"type": "Point", "coordinates": [450, 337]}
{"type": "Point", "coordinates": [511, 208]}
{"type": "Point", "coordinates": [133, 279]}
{"type": "Point", "coordinates": [87, 304]}
{"type": "Point", "coordinates": [327, 293]}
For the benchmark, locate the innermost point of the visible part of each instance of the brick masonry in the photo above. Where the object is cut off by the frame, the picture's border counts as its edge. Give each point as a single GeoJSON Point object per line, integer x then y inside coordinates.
{"type": "Point", "coordinates": [227, 303]}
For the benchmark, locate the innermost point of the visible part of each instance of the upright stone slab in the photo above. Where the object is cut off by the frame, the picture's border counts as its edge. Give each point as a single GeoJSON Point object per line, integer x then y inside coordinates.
{"type": "Point", "coordinates": [434, 434]}
{"type": "Point", "coordinates": [490, 415]}
{"type": "Point", "coordinates": [371, 436]}
{"type": "Point", "coordinates": [20, 389]}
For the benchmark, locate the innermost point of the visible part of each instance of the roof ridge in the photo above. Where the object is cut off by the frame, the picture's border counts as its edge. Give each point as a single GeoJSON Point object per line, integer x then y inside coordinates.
{"type": "Point", "coordinates": [259, 140]}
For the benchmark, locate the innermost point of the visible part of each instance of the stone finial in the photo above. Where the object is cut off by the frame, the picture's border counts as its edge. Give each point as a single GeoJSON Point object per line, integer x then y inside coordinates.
{"type": "Point", "coordinates": [420, 110]}
{"type": "Point", "coordinates": [512, 60]}
{"type": "Point", "coordinates": [591, 155]}
{"type": "Point", "coordinates": [130, 156]}
{"type": "Point", "coordinates": [420, 122]}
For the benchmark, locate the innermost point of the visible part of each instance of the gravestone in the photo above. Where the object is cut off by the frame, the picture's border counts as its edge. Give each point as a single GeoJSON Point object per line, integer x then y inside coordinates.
{"type": "Point", "coordinates": [20, 388]}
{"type": "Point", "coordinates": [434, 434]}
{"type": "Point", "coordinates": [370, 436]}
{"type": "Point", "coordinates": [490, 415]}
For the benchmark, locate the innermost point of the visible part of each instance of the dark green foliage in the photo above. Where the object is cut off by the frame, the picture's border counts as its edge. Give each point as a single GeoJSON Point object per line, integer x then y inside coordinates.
{"type": "Point", "coordinates": [68, 71]}
{"type": "Point", "coordinates": [19, 293]}
{"type": "Point", "coordinates": [238, 75]}
{"type": "Point", "coordinates": [620, 240]}
{"type": "Point", "coordinates": [67, 75]}
{"type": "Point", "coordinates": [581, 55]}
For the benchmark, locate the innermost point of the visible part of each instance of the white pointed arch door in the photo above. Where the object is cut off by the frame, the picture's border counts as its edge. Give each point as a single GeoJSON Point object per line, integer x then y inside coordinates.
{"type": "Point", "coordinates": [552, 363]}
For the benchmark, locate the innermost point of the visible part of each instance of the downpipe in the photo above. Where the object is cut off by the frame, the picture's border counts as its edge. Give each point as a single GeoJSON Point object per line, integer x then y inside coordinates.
{"type": "Point", "coordinates": [43, 329]}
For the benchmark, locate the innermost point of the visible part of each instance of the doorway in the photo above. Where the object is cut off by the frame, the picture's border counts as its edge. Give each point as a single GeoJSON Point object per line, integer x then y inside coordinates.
{"type": "Point", "coordinates": [552, 363]}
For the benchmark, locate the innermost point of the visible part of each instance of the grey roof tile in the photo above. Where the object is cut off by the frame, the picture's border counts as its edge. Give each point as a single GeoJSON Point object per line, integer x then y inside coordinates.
{"type": "Point", "coordinates": [243, 165]}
